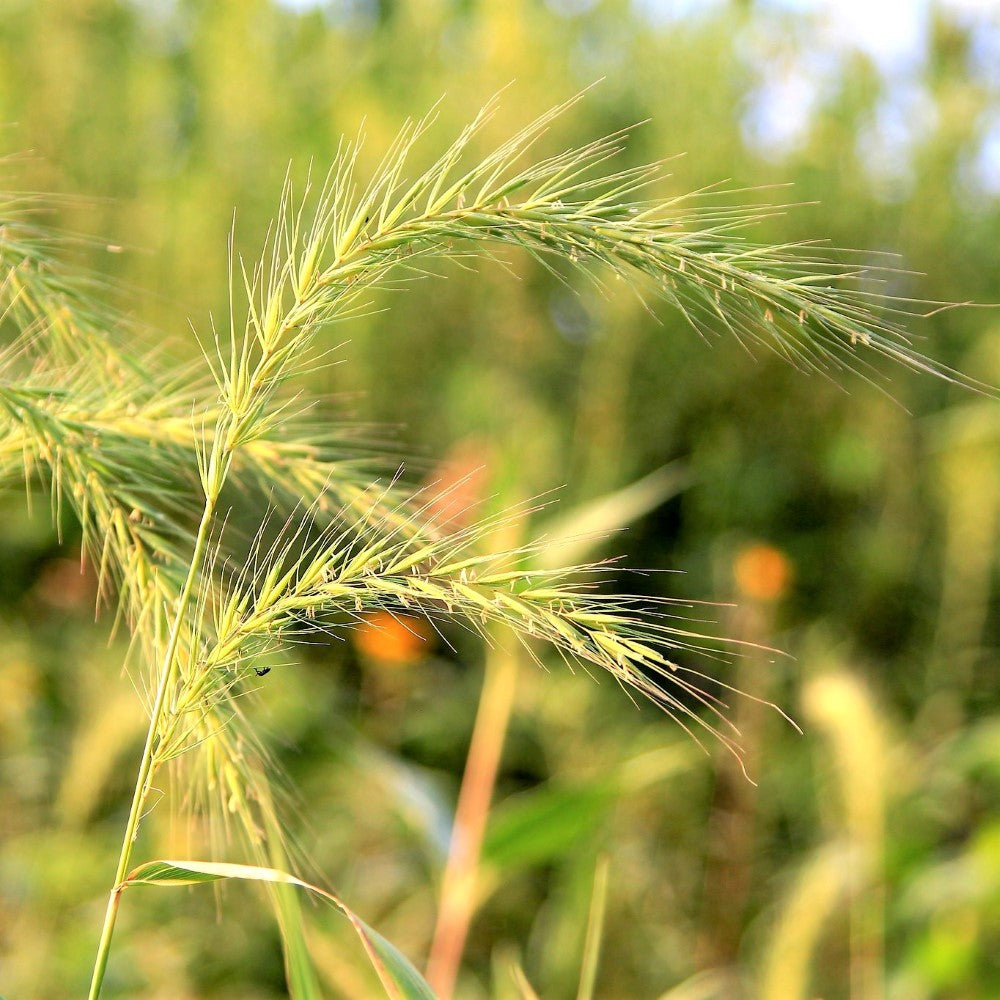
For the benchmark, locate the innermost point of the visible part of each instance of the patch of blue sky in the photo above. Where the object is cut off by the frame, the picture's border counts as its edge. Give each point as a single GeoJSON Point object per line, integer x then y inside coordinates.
{"type": "Point", "coordinates": [798, 50]}
{"type": "Point", "coordinates": [981, 173]}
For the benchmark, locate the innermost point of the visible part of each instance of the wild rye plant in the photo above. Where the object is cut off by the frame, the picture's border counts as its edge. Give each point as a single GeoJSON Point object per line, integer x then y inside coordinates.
{"type": "Point", "coordinates": [150, 458]}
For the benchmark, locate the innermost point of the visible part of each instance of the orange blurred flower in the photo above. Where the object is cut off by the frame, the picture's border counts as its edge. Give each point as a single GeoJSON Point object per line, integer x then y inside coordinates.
{"type": "Point", "coordinates": [67, 584]}
{"type": "Point", "coordinates": [457, 484]}
{"type": "Point", "coordinates": [763, 572]}
{"type": "Point", "coordinates": [395, 639]}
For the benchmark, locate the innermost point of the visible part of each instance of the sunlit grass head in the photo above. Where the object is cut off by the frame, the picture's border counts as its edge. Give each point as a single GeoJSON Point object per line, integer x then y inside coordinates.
{"type": "Point", "coordinates": [149, 456]}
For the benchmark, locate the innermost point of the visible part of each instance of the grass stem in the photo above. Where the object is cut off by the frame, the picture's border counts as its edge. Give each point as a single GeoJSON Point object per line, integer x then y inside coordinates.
{"type": "Point", "coordinates": [458, 886]}
{"type": "Point", "coordinates": [144, 777]}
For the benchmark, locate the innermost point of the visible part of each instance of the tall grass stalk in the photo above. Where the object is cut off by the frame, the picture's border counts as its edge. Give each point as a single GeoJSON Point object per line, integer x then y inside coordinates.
{"type": "Point", "coordinates": [144, 452]}
{"type": "Point", "coordinates": [144, 778]}
{"type": "Point", "coordinates": [459, 883]}
{"type": "Point", "coordinates": [844, 711]}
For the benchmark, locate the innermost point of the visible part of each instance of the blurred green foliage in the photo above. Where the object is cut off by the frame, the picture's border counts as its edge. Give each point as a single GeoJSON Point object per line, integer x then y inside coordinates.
{"type": "Point", "coordinates": [866, 862]}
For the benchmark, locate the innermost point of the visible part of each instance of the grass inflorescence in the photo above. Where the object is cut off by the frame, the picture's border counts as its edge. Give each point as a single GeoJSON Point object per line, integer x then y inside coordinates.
{"type": "Point", "coordinates": [144, 451]}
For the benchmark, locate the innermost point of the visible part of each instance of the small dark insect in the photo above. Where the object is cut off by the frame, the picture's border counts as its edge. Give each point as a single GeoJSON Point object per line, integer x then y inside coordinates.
{"type": "Point", "coordinates": [260, 671]}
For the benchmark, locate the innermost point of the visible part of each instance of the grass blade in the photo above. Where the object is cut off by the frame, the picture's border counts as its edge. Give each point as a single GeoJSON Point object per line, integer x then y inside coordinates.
{"type": "Point", "coordinates": [400, 979]}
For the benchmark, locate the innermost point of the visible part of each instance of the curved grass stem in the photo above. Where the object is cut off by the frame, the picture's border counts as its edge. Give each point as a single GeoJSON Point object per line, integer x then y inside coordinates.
{"type": "Point", "coordinates": [458, 887]}
{"type": "Point", "coordinates": [143, 781]}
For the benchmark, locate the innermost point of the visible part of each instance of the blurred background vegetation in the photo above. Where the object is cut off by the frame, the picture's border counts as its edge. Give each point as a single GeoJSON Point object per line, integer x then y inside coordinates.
{"type": "Point", "coordinates": [854, 528]}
